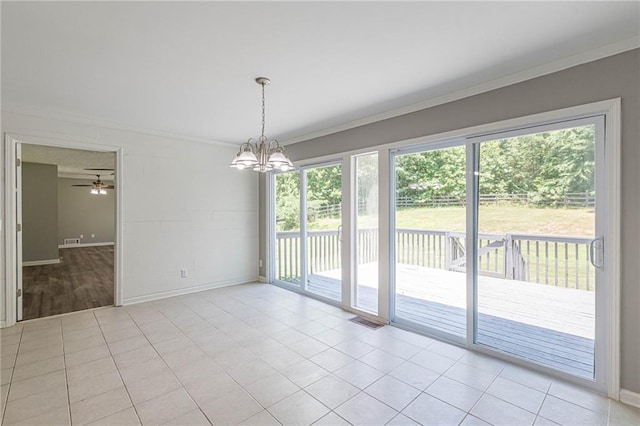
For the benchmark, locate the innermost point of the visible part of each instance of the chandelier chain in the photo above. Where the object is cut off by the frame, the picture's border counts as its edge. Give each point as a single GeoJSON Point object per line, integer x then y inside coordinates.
{"type": "Point", "coordinates": [263, 111]}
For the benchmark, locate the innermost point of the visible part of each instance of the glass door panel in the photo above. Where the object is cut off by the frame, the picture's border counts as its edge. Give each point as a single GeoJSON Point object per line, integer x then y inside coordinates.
{"type": "Point", "coordinates": [288, 234]}
{"type": "Point", "coordinates": [366, 232]}
{"type": "Point", "coordinates": [536, 285]}
{"type": "Point", "coordinates": [430, 239]}
{"type": "Point", "coordinates": [324, 225]}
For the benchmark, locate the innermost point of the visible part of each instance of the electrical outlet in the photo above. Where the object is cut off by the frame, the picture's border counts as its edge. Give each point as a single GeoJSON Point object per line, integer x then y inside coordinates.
{"type": "Point", "coordinates": [93, 235]}
{"type": "Point", "coordinates": [184, 273]}
{"type": "Point", "coordinates": [260, 263]}
{"type": "Point", "coordinates": [81, 236]}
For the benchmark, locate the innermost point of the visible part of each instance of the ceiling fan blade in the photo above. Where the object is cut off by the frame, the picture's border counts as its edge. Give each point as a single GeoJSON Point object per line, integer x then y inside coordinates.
{"type": "Point", "coordinates": [101, 169]}
{"type": "Point", "coordinates": [81, 185]}
{"type": "Point", "coordinates": [110, 187]}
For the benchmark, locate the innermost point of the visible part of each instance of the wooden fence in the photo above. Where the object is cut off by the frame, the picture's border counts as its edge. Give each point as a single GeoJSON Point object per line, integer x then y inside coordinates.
{"type": "Point", "coordinates": [568, 200]}
{"type": "Point", "coordinates": [544, 259]}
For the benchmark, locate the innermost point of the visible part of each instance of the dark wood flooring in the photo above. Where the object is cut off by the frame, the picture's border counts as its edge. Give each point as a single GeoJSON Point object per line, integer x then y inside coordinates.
{"type": "Point", "coordinates": [82, 280]}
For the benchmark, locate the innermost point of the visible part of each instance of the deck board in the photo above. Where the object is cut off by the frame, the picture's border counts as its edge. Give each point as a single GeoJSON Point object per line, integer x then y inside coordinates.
{"type": "Point", "coordinates": [545, 324]}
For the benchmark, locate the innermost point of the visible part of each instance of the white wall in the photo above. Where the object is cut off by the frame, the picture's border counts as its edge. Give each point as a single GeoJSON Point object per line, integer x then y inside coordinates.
{"type": "Point", "coordinates": [182, 207]}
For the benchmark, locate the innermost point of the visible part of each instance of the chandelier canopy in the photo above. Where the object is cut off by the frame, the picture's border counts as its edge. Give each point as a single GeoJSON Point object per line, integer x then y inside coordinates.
{"type": "Point", "coordinates": [262, 154]}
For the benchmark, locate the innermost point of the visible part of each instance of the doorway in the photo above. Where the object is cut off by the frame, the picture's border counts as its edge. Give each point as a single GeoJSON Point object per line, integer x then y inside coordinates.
{"type": "Point", "coordinates": [65, 212]}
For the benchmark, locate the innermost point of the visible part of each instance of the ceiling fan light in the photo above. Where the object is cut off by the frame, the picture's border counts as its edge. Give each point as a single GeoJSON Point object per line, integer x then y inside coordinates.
{"type": "Point", "coordinates": [95, 191]}
{"type": "Point", "coordinates": [102, 191]}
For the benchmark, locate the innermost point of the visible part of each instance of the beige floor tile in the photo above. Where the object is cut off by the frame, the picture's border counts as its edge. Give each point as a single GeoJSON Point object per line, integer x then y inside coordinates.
{"type": "Point", "coordinates": [517, 394]}
{"type": "Point", "coordinates": [470, 376]}
{"type": "Point", "coordinates": [213, 387]}
{"type": "Point", "coordinates": [43, 343]}
{"type": "Point", "coordinates": [80, 390]}
{"type": "Point", "coordinates": [197, 370]}
{"type": "Point", "coordinates": [129, 344]}
{"type": "Point", "coordinates": [359, 374]}
{"type": "Point", "coordinates": [354, 348]}
{"type": "Point", "coordinates": [402, 420]}
{"type": "Point", "coordinates": [566, 413]}
{"type": "Point", "coordinates": [304, 373]}
{"type": "Point", "coordinates": [498, 412]}
{"type": "Point", "coordinates": [38, 368]}
{"type": "Point", "coordinates": [331, 359]}
{"type": "Point", "coordinates": [580, 396]}
{"type": "Point", "coordinates": [474, 421]}
{"type": "Point", "coordinates": [298, 409]}
{"type": "Point", "coordinates": [166, 407]}
{"type": "Point", "coordinates": [263, 418]}
{"type": "Point", "coordinates": [5, 376]}
{"type": "Point", "coordinates": [526, 377]}
{"type": "Point", "coordinates": [127, 417]}
{"type": "Point", "coordinates": [332, 391]}
{"type": "Point", "coordinates": [309, 347]}
{"type": "Point", "coordinates": [455, 393]}
{"type": "Point", "coordinates": [34, 405]}
{"type": "Point", "coordinates": [381, 360]}
{"type": "Point", "coordinates": [271, 389]}
{"type": "Point", "coordinates": [134, 373]}
{"type": "Point", "coordinates": [428, 410]}
{"type": "Point", "coordinates": [432, 361]}
{"type": "Point", "coordinates": [57, 417]}
{"type": "Point", "coordinates": [366, 410]}
{"type": "Point", "coordinates": [87, 355]}
{"type": "Point", "coordinates": [100, 406]}
{"type": "Point", "coordinates": [393, 392]}
{"type": "Point", "coordinates": [623, 414]}
{"type": "Point", "coordinates": [152, 387]}
{"type": "Point", "coordinates": [81, 343]}
{"type": "Point", "coordinates": [331, 419]}
{"type": "Point", "coordinates": [192, 418]}
{"type": "Point", "coordinates": [35, 355]}
{"type": "Point", "coordinates": [55, 381]}
{"type": "Point", "coordinates": [82, 372]}
{"type": "Point", "coordinates": [231, 409]}
{"type": "Point", "coordinates": [137, 357]}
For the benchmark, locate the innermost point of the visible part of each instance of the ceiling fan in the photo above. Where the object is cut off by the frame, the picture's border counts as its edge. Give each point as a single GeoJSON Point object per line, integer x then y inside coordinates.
{"type": "Point", "coordinates": [98, 187]}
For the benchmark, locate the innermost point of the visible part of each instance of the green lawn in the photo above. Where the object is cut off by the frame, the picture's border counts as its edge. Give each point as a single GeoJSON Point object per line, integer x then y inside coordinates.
{"type": "Point", "coordinates": [500, 219]}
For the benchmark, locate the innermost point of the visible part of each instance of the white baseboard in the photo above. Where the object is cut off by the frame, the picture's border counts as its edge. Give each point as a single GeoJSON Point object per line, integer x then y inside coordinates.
{"type": "Point", "coordinates": [3, 324]}
{"type": "Point", "coordinates": [41, 262]}
{"type": "Point", "coordinates": [262, 279]}
{"type": "Point", "coordinates": [631, 398]}
{"type": "Point", "coordinates": [85, 245]}
{"type": "Point", "coordinates": [182, 291]}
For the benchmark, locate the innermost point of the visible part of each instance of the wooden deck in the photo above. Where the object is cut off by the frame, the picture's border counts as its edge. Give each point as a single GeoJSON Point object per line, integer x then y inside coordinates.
{"type": "Point", "coordinates": [549, 325]}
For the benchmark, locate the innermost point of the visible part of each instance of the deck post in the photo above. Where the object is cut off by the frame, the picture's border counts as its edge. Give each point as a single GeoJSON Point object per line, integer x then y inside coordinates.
{"type": "Point", "coordinates": [508, 257]}
{"type": "Point", "coordinates": [447, 251]}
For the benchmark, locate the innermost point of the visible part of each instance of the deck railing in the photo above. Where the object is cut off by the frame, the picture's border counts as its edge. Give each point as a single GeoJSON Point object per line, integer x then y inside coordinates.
{"type": "Point", "coordinates": [544, 259]}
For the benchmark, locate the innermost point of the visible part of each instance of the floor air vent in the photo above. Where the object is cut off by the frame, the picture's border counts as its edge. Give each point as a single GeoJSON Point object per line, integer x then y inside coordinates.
{"type": "Point", "coordinates": [71, 241]}
{"type": "Point", "coordinates": [362, 321]}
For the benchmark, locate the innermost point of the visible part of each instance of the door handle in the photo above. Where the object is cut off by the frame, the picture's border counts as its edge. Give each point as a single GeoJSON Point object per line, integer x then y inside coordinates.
{"type": "Point", "coordinates": [596, 252]}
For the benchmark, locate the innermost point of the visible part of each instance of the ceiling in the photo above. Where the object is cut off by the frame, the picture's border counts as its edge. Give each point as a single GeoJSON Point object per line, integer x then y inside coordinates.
{"type": "Point", "coordinates": [187, 68]}
{"type": "Point", "coordinates": [72, 163]}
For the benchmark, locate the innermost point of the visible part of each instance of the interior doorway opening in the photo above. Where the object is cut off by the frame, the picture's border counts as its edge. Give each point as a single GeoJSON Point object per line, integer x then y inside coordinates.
{"type": "Point", "coordinates": [66, 211]}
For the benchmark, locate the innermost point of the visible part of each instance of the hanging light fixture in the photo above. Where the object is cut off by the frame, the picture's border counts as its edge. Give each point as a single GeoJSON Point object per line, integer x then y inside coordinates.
{"type": "Point", "coordinates": [262, 154]}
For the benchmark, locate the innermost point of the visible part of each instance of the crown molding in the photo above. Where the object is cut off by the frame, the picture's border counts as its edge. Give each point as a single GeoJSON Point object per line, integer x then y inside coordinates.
{"type": "Point", "coordinates": [101, 123]}
{"type": "Point", "coordinates": [528, 74]}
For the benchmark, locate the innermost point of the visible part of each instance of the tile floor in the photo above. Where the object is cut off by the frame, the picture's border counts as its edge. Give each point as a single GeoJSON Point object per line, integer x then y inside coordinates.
{"type": "Point", "coordinates": [259, 355]}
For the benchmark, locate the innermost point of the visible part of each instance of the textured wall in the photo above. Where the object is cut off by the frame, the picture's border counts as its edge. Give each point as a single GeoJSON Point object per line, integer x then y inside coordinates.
{"type": "Point", "coordinates": [39, 212]}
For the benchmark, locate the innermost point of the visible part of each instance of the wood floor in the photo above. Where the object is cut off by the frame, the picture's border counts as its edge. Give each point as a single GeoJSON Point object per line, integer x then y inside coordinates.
{"type": "Point", "coordinates": [82, 280]}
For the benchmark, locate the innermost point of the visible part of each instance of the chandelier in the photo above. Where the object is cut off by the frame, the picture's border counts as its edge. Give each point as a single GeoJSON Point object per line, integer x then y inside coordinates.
{"type": "Point", "coordinates": [262, 154]}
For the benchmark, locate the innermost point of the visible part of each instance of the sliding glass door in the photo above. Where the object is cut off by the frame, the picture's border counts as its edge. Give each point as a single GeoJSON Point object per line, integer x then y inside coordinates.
{"type": "Point", "coordinates": [495, 242]}
{"type": "Point", "coordinates": [323, 195]}
{"type": "Point", "coordinates": [308, 235]}
{"type": "Point", "coordinates": [430, 239]}
{"type": "Point", "coordinates": [538, 244]}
